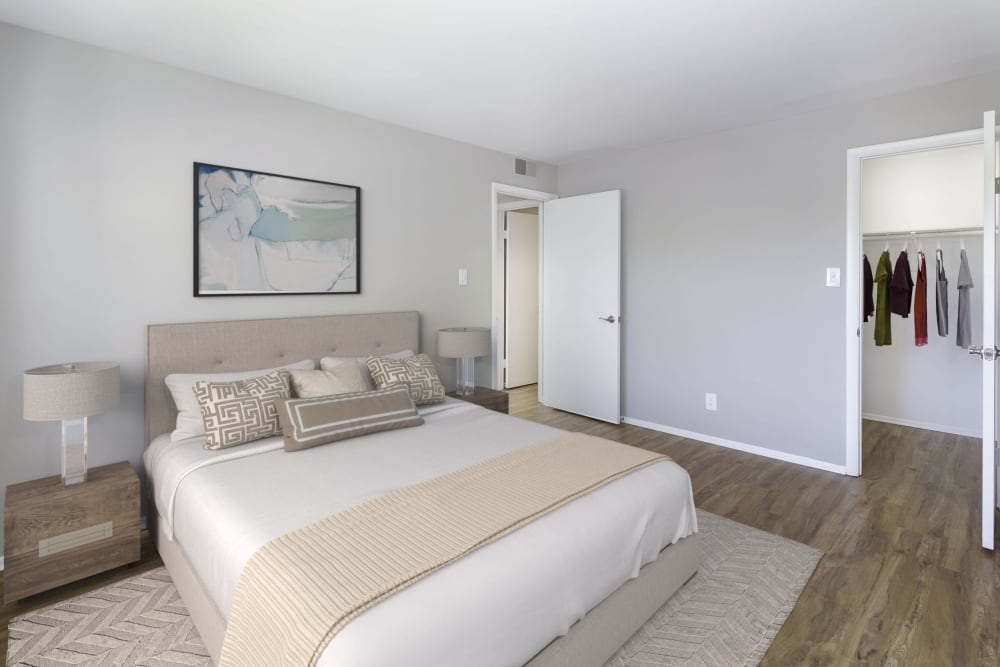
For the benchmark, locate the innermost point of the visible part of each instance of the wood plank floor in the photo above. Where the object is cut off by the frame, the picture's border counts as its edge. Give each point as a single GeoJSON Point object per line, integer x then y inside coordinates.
{"type": "Point", "coordinates": [903, 580]}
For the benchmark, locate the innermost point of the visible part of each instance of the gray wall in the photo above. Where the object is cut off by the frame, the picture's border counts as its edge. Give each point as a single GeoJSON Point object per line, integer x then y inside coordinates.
{"type": "Point", "coordinates": [725, 241]}
{"type": "Point", "coordinates": [95, 179]}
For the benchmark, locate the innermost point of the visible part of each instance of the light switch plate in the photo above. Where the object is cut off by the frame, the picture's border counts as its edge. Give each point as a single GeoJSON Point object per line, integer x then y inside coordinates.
{"type": "Point", "coordinates": [833, 277]}
{"type": "Point", "coordinates": [463, 277]}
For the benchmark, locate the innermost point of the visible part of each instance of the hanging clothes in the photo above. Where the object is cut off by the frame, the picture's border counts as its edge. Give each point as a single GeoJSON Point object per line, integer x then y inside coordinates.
{"type": "Point", "coordinates": [883, 321]}
{"type": "Point", "coordinates": [941, 302]}
{"type": "Point", "coordinates": [869, 283]}
{"type": "Point", "coordinates": [901, 286]}
{"type": "Point", "coordinates": [920, 302]}
{"type": "Point", "coordinates": [963, 334]}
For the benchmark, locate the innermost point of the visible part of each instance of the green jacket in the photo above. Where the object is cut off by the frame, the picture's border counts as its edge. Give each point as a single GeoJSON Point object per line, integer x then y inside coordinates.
{"type": "Point", "coordinates": [883, 324]}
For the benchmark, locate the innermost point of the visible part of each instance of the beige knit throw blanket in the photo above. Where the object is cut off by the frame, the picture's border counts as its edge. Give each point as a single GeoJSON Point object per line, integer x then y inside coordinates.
{"type": "Point", "coordinates": [302, 588]}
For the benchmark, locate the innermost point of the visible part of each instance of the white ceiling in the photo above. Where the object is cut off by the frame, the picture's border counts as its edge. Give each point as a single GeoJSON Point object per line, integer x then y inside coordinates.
{"type": "Point", "coordinates": [555, 80]}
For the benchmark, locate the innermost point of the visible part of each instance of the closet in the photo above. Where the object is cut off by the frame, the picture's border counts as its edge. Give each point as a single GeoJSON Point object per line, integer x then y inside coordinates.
{"type": "Point", "coordinates": [925, 203]}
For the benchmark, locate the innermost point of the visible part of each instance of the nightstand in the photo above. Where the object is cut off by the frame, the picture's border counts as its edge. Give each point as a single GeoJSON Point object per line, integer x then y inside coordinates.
{"type": "Point", "coordinates": [488, 398]}
{"type": "Point", "coordinates": [55, 534]}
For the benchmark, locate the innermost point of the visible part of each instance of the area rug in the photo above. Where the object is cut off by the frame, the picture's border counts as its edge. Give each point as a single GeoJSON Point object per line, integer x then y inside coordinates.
{"type": "Point", "coordinates": [727, 614]}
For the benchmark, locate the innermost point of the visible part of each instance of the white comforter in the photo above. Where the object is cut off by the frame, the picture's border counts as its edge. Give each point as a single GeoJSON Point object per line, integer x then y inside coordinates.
{"type": "Point", "coordinates": [498, 606]}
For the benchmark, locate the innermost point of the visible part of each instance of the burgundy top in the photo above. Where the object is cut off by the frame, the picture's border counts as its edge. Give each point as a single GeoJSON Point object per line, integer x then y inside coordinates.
{"type": "Point", "coordinates": [920, 302]}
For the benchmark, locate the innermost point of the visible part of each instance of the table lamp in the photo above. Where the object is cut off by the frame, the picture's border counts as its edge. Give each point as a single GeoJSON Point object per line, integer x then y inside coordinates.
{"type": "Point", "coordinates": [71, 393]}
{"type": "Point", "coordinates": [464, 344]}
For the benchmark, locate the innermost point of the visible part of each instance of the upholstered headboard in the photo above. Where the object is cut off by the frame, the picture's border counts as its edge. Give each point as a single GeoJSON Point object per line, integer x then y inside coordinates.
{"type": "Point", "coordinates": [241, 345]}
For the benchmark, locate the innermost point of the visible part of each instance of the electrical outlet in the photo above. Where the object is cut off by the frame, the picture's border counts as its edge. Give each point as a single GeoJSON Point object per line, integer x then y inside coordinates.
{"type": "Point", "coordinates": [463, 277]}
{"type": "Point", "coordinates": [711, 402]}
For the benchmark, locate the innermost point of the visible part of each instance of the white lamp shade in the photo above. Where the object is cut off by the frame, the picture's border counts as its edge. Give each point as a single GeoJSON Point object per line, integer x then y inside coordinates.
{"type": "Point", "coordinates": [463, 342]}
{"type": "Point", "coordinates": [71, 391]}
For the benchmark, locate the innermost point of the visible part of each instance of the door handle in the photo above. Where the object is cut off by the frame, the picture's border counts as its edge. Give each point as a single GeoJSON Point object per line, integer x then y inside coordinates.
{"type": "Point", "coordinates": [609, 318]}
{"type": "Point", "coordinates": [987, 353]}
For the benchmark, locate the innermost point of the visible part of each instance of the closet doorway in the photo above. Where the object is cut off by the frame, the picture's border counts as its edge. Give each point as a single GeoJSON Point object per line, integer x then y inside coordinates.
{"type": "Point", "coordinates": [924, 208]}
{"type": "Point", "coordinates": [923, 214]}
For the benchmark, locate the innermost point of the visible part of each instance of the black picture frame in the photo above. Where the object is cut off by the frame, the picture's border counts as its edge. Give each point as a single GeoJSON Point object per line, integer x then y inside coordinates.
{"type": "Point", "coordinates": [258, 233]}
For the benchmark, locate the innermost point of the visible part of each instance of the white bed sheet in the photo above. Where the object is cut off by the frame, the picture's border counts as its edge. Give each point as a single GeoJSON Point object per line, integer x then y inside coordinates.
{"type": "Point", "coordinates": [498, 606]}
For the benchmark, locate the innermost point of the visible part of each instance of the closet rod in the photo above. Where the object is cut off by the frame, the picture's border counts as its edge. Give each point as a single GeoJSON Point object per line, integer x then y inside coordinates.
{"type": "Point", "coordinates": [925, 232]}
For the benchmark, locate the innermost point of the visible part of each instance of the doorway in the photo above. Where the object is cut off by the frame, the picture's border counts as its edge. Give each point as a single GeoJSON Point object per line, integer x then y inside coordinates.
{"type": "Point", "coordinates": [923, 210]}
{"type": "Point", "coordinates": [506, 198]}
{"type": "Point", "coordinates": [856, 159]}
{"type": "Point", "coordinates": [579, 297]}
{"type": "Point", "coordinates": [970, 238]}
{"type": "Point", "coordinates": [521, 294]}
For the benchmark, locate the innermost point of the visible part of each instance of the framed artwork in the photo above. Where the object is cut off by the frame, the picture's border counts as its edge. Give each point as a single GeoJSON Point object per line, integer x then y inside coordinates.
{"type": "Point", "coordinates": [261, 233]}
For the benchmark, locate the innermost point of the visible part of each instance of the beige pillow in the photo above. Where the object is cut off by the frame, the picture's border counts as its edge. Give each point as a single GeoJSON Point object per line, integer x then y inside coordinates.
{"type": "Point", "coordinates": [241, 411]}
{"type": "Point", "coordinates": [330, 363]}
{"type": "Point", "coordinates": [417, 372]}
{"type": "Point", "coordinates": [307, 422]}
{"type": "Point", "coordinates": [343, 379]}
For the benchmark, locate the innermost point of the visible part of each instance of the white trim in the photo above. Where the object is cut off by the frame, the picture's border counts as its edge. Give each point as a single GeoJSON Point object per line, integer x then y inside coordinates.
{"type": "Point", "coordinates": [927, 426]}
{"type": "Point", "coordinates": [989, 437]}
{"type": "Point", "coordinates": [1, 563]}
{"type": "Point", "coordinates": [852, 346]}
{"type": "Point", "coordinates": [518, 205]}
{"type": "Point", "coordinates": [741, 446]}
{"type": "Point", "coordinates": [852, 416]}
{"type": "Point", "coordinates": [496, 329]}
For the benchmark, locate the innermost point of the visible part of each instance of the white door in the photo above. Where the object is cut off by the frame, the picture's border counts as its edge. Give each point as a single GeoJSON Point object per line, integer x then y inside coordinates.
{"type": "Point", "coordinates": [521, 299]}
{"type": "Point", "coordinates": [989, 349]}
{"type": "Point", "coordinates": [581, 305]}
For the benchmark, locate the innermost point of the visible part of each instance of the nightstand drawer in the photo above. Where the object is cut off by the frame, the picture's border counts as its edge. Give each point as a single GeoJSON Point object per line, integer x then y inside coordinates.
{"type": "Point", "coordinates": [56, 534]}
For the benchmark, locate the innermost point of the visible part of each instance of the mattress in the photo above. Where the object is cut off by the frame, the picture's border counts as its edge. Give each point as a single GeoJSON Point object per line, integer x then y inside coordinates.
{"type": "Point", "coordinates": [498, 606]}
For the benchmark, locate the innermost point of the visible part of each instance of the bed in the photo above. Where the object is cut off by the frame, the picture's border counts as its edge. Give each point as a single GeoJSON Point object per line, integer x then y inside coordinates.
{"type": "Point", "coordinates": [567, 589]}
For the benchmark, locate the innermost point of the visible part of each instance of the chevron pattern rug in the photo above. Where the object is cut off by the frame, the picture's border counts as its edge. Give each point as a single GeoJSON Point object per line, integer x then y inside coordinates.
{"type": "Point", "coordinates": [137, 621]}
{"type": "Point", "coordinates": [727, 615]}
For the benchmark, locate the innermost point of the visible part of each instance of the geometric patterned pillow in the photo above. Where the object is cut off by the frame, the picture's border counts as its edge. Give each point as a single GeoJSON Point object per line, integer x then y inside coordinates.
{"type": "Point", "coordinates": [417, 372]}
{"type": "Point", "coordinates": [241, 411]}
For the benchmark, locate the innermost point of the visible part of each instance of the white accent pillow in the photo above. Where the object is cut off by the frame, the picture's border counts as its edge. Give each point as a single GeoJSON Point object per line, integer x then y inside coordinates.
{"type": "Point", "coordinates": [329, 363]}
{"type": "Point", "coordinates": [181, 385]}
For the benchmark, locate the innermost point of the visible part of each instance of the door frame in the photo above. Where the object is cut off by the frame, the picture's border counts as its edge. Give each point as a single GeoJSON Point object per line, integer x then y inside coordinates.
{"type": "Point", "coordinates": [503, 376]}
{"type": "Point", "coordinates": [852, 282]}
{"type": "Point", "coordinates": [526, 199]}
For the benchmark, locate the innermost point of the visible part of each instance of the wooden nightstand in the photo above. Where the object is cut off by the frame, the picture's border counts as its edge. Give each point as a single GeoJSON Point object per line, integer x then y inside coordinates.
{"type": "Point", "coordinates": [488, 398]}
{"type": "Point", "coordinates": [55, 534]}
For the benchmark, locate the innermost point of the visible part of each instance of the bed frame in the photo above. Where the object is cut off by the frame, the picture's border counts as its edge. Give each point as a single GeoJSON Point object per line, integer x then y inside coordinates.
{"type": "Point", "coordinates": [248, 344]}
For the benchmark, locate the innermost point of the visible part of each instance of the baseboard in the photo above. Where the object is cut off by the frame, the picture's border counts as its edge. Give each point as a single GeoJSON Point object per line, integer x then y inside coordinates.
{"type": "Point", "coordinates": [954, 430]}
{"type": "Point", "coordinates": [741, 446]}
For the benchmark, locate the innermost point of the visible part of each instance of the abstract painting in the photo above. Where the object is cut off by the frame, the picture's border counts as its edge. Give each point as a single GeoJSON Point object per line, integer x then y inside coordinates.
{"type": "Point", "coordinates": [261, 233]}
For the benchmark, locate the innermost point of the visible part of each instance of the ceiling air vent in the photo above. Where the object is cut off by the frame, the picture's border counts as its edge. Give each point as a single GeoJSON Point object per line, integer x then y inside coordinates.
{"type": "Point", "coordinates": [524, 167]}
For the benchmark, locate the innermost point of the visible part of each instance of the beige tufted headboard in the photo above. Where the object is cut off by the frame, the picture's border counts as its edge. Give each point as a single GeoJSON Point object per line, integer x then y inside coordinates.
{"type": "Point", "coordinates": [242, 345]}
